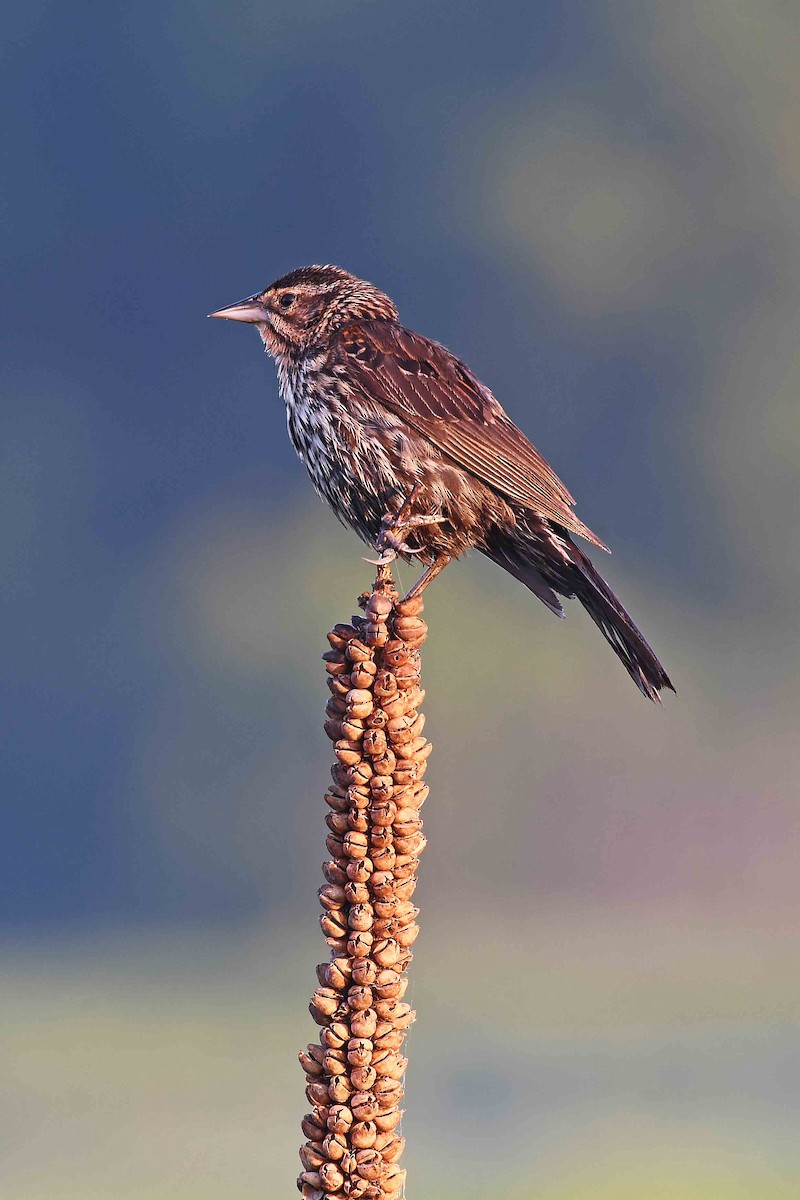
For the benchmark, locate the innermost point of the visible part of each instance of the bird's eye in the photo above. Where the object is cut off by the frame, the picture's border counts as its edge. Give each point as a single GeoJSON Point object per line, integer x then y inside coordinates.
{"type": "Point", "coordinates": [286, 300]}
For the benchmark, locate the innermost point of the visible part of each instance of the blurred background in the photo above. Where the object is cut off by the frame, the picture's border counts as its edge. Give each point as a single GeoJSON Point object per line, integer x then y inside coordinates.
{"type": "Point", "coordinates": [598, 206]}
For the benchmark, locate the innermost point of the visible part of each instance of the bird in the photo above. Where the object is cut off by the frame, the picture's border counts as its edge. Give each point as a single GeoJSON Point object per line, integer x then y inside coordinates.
{"type": "Point", "coordinates": [402, 439]}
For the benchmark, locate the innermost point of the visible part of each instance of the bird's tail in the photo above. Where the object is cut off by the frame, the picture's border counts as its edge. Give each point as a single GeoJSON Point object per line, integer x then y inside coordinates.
{"type": "Point", "coordinates": [618, 629]}
{"type": "Point", "coordinates": [576, 576]}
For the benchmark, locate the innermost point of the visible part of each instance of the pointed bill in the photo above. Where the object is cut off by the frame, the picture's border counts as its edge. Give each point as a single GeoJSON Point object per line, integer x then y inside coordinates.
{"type": "Point", "coordinates": [251, 310]}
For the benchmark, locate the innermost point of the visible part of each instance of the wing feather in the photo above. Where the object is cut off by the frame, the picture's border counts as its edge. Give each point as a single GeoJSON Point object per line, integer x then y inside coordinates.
{"type": "Point", "coordinates": [440, 398]}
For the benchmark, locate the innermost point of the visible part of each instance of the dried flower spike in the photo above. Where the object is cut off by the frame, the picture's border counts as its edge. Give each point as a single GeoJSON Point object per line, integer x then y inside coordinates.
{"type": "Point", "coordinates": [355, 1074]}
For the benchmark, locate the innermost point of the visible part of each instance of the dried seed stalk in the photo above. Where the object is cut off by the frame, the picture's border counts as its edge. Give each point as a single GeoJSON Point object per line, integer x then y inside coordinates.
{"type": "Point", "coordinates": [355, 1072]}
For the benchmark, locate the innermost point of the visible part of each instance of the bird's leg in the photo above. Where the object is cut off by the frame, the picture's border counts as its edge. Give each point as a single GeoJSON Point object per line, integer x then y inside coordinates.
{"type": "Point", "coordinates": [390, 541]}
{"type": "Point", "coordinates": [428, 576]}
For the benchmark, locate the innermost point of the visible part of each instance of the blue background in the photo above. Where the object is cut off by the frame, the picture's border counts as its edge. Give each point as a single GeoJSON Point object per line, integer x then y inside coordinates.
{"type": "Point", "coordinates": [597, 207]}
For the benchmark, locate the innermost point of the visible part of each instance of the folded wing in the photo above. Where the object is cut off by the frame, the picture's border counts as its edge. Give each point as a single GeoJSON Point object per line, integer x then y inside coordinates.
{"type": "Point", "coordinates": [423, 383]}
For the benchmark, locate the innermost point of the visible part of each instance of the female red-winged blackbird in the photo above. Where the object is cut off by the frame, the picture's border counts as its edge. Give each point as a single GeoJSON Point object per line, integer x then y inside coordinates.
{"type": "Point", "coordinates": [397, 434]}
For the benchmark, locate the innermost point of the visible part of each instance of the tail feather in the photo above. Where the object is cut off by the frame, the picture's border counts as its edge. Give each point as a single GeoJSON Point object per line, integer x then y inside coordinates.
{"type": "Point", "coordinates": [627, 642]}
{"type": "Point", "coordinates": [553, 564]}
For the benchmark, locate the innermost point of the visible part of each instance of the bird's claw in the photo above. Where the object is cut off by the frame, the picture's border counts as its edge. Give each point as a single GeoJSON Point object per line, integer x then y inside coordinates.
{"type": "Point", "coordinates": [388, 556]}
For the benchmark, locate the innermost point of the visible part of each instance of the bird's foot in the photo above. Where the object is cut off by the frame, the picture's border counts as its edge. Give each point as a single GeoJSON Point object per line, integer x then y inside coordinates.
{"type": "Point", "coordinates": [389, 545]}
{"type": "Point", "coordinates": [395, 524]}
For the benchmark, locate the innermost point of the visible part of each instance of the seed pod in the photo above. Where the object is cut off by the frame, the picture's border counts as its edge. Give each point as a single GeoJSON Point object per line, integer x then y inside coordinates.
{"type": "Point", "coordinates": [394, 1180]}
{"type": "Point", "coordinates": [386, 908]}
{"type": "Point", "coordinates": [343, 632]}
{"type": "Point", "coordinates": [340, 1089]}
{"type": "Point", "coordinates": [317, 1092]}
{"type": "Point", "coordinates": [410, 750]}
{"type": "Point", "coordinates": [414, 844]}
{"type": "Point", "coordinates": [379, 606]}
{"type": "Point", "coordinates": [337, 802]}
{"type": "Point", "coordinates": [377, 719]}
{"type": "Point", "coordinates": [404, 888]}
{"type": "Point", "coordinates": [407, 771]}
{"type": "Point", "coordinates": [388, 1093]}
{"type": "Point", "coordinates": [370, 1164]}
{"type": "Point", "coordinates": [355, 844]}
{"type": "Point", "coordinates": [334, 1146]}
{"type": "Point", "coordinates": [381, 787]}
{"type": "Point", "coordinates": [312, 1156]}
{"type": "Point", "coordinates": [356, 893]}
{"type": "Point", "coordinates": [392, 1039]}
{"type": "Point", "coordinates": [333, 1062]}
{"type": "Point", "coordinates": [380, 837]}
{"type": "Point", "coordinates": [334, 845]}
{"type": "Point", "coordinates": [365, 1106]}
{"type": "Point", "coordinates": [311, 1067]}
{"type": "Point", "coordinates": [357, 651]}
{"type": "Point", "coordinates": [407, 937]}
{"type": "Point", "coordinates": [394, 706]}
{"type": "Point", "coordinates": [359, 871]}
{"type": "Point", "coordinates": [386, 1121]}
{"type": "Point", "coordinates": [383, 813]}
{"type": "Point", "coordinates": [358, 796]}
{"type": "Point", "coordinates": [363, 1134]}
{"type": "Point", "coordinates": [353, 729]}
{"type": "Point", "coordinates": [335, 1036]}
{"type": "Point", "coordinates": [389, 1064]}
{"type": "Point", "coordinates": [340, 1118]}
{"type": "Point", "coordinates": [363, 1078]}
{"type": "Point", "coordinates": [357, 696]}
{"type": "Point", "coordinates": [358, 820]}
{"type": "Point", "coordinates": [376, 634]}
{"type": "Point", "coordinates": [395, 653]}
{"type": "Point", "coordinates": [418, 724]}
{"type": "Point", "coordinates": [312, 1128]}
{"type": "Point", "coordinates": [332, 924]}
{"type": "Point", "coordinates": [389, 984]}
{"type": "Point", "coordinates": [386, 763]}
{"type": "Point", "coordinates": [308, 1182]}
{"type": "Point", "coordinates": [405, 868]}
{"type": "Point", "coordinates": [384, 860]}
{"type": "Point", "coordinates": [359, 1052]}
{"type": "Point", "coordinates": [360, 918]}
{"type": "Point", "coordinates": [336, 707]}
{"type": "Point", "coordinates": [348, 1163]}
{"type": "Point", "coordinates": [374, 743]}
{"type": "Point", "coordinates": [331, 1177]}
{"type": "Point", "coordinates": [391, 1146]}
{"type": "Point", "coordinates": [333, 872]}
{"type": "Point", "coordinates": [386, 1008]}
{"type": "Point", "coordinates": [364, 1023]}
{"type": "Point", "coordinates": [386, 952]}
{"type": "Point", "coordinates": [333, 728]}
{"type": "Point", "coordinates": [361, 676]}
{"type": "Point", "coordinates": [364, 971]}
{"type": "Point", "coordinates": [360, 774]}
{"type": "Point", "coordinates": [359, 997]}
{"type": "Point", "coordinates": [347, 752]}
{"type": "Point", "coordinates": [407, 675]}
{"type": "Point", "coordinates": [360, 944]}
{"type": "Point", "coordinates": [325, 1001]}
{"type": "Point", "coordinates": [385, 686]}
{"type": "Point", "coordinates": [406, 626]}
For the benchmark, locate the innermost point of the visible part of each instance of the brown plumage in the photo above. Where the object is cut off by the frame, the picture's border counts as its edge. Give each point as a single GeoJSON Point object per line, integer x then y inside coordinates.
{"type": "Point", "coordinates": [385, 419]}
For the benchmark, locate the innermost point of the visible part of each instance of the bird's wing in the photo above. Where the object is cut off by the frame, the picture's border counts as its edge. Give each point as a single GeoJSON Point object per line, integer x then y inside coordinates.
{"type": "Point", "coordinates": [427, 386]}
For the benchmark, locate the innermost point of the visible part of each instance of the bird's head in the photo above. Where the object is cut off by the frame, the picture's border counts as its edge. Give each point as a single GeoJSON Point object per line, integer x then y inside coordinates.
{"type": "Point", "coordinates": [301, 310]}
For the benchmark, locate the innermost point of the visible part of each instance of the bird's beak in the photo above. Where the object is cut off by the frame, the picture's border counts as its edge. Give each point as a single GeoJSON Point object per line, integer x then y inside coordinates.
{"type": "Point", "coordinates": [251, 310]}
